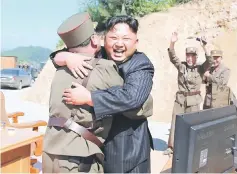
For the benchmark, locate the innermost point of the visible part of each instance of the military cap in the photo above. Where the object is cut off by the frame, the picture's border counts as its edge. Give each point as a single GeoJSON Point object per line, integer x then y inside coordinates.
{"type": "Point", "coordinates": [216, 53]}
{"type": "Point", "coordinates": [76, 29]}
{"type": "Point", "coordinates": [191, 50]}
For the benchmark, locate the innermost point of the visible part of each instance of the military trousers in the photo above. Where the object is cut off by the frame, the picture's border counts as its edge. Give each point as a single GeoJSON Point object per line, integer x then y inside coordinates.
{"type": "Point", "coordinates": [178, 109]}
{"type": "Point", "coordinates": [70, 164]}
{"type": "Point", "coordinates": [206, 107]}
{"type": "Point", "coordinates": [207, 102]}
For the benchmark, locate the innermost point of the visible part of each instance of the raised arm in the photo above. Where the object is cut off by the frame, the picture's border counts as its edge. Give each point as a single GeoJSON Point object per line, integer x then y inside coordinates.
{"type": "Point", "coordinates": [173, 58]}
{"type": "Point", "coordinates": [135, 91]}
{"type": "Point", "coordinates": [209, 60]}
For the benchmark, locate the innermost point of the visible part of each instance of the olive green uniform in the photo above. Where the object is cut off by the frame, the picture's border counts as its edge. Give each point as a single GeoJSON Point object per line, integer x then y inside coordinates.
{"type": "Point", "coordinates": [216, 85]}
{"type": "Point", "coordinates": [188, 96]}
{"type": "Point", "coordinates": [67, 143]}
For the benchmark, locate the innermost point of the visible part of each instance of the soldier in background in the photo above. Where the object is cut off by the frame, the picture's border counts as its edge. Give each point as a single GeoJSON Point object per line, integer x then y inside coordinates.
{"type": "Point", "coordinates": [218, 94]}
{"type": "Point", "coordinates": [188, 97]}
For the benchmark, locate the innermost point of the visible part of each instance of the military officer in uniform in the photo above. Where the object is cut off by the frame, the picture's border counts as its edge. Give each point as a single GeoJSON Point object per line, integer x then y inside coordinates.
{"type": "Point", "coordinates": [217, 76]}
{"type": "Point", "coordinates": [73, 142]}
{"type": "Point", "coordinates": [188, 96]}
{"type": "Point", "coordinates": [127, 148]}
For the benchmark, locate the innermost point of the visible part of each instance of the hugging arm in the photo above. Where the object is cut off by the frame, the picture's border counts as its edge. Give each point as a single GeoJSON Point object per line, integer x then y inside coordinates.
{"type": "Point", "coordinates": [134, 92]}
{"type": "Point", "coordinates": [76, 63]}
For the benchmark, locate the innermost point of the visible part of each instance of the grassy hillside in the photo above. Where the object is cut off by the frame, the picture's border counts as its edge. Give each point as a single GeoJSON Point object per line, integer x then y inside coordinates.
{"type": "Point", "coordinates": [30, 54]}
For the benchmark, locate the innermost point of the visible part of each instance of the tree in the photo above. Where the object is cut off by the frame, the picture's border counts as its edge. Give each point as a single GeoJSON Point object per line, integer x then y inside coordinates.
{"type": "Point", "coordinates": [101, 10]}
{"type": "Point", "coordinates": [60, 44]}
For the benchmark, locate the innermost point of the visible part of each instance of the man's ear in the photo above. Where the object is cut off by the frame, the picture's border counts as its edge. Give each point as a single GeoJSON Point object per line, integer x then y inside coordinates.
{"type": "Point", "coordinates": [137, 41]}
{"type": "Point", "coordinates": [94, 40]}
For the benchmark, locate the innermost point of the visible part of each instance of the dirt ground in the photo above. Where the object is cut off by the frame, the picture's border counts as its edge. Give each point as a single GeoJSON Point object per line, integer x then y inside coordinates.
{"type": "Point", "coordinates": [215, 19]}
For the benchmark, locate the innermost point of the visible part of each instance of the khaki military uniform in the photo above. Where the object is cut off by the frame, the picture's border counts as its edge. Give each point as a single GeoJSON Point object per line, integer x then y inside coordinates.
{"type": "Point", "coordinates": [65, 150]}
{"type": "Point", "coordinates": [67, 143]}
{"type": "Point", "coordinates": [217, 92]}
{"type": "Point", "coordinates": [188, 97]}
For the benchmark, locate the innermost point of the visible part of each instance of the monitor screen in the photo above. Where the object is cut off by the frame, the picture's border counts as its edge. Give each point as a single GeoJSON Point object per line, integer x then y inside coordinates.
{"type": "Point", "coordinates": [204, 141]}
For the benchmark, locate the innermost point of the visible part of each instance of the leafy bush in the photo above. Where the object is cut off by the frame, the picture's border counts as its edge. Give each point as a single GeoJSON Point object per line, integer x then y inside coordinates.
{"type": "Point", "coordinates": [143, 7]}
{"type": "Point", "coordinates": [103, 9]}
{"type": "Point", "coordinates": [182, 1]}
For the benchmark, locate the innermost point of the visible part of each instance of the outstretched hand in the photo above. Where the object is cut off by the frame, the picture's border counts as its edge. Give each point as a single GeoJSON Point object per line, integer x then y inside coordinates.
{"type": "Point", "coordinates": [174, 37]}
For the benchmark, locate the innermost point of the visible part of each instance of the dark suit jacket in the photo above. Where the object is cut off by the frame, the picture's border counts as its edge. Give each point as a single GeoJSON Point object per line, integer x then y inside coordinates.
{"type": "Point", "coordinates": [129, 141]}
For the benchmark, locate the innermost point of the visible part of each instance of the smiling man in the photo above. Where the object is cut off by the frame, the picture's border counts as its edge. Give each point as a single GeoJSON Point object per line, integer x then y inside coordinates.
{"type": "Point", "coordinates": [188, 96]}
{"type": "Point", "coordinates": [118, 48]}
{"type": "Point", "coordinates": [127, 148]}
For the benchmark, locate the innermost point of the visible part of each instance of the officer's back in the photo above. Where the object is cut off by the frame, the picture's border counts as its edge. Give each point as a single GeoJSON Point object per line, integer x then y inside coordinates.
{"type": "Point", "coordinates": [72, 151]}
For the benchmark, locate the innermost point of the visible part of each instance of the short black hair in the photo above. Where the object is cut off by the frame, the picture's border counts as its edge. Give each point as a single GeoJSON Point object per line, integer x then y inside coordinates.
{"type": "Point", "coordinates": [129, 20]}
{"type": "Point", "coordinates": [100, 28]}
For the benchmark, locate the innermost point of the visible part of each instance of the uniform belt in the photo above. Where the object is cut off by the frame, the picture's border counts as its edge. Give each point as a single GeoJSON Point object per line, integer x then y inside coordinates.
{"type": "Point", "coordinates": [75, 127]}
{"type": "Point", "coordinates": [189, 93]}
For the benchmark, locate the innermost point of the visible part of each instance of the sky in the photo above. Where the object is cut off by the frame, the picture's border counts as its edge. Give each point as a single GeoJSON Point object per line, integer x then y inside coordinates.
{"type": "Point", "coordinates": [34, 22]}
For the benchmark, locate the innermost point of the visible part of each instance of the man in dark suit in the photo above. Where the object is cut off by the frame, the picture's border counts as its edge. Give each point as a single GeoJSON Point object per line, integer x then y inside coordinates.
{"type": "Point", "coordinates": [127, 148]}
